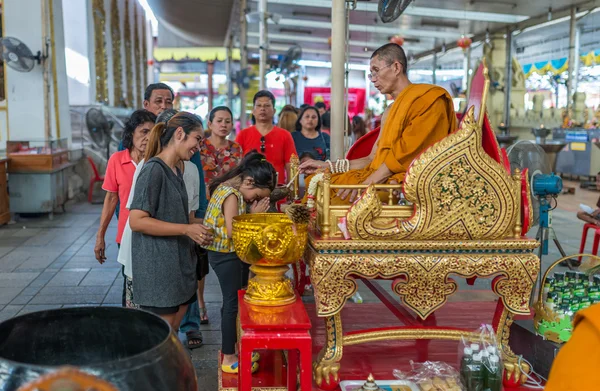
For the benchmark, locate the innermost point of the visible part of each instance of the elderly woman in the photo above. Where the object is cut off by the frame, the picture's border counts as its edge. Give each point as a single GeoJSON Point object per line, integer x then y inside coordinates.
{"type": "Point", "coordinates": [119, 177]}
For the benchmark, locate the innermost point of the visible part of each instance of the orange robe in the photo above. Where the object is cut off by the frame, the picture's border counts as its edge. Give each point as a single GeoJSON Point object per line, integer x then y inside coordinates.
{"type": "Point", "coordinates": [576, 365]}
{"type": "Point", "coordinates": [421, 115]}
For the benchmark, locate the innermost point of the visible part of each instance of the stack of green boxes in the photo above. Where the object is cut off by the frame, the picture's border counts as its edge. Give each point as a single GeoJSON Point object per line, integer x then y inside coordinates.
{"type": "Point", "coordinates": [567, 293]}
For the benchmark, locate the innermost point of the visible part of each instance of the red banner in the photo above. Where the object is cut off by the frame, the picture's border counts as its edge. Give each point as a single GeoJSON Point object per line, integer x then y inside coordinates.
{"type": "Point", "coordinates": [356, 98]}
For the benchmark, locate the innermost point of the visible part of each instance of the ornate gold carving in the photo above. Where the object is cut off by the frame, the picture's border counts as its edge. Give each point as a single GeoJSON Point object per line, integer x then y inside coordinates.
{"type": "Point", "coordinates": [270, 287]}
{"type": "Point", "coordinates": [101, 60]}
{"type": "Point", "coordinates": [376, 336]}
{"type": "Point", "coordinates": [328, 360]}
{"type": "Point", "coordinates": [269, 242]}
{"type": "Point", "coordinates": [117, 64]}
{"type": "Point", "coordinates": [128, 56]}
{"type": "Point", "coordinates": [428, 283]}
{"type": "Point", "coordinates": [510, 245]}
{"type": "Point", "coordinates": [458, 190]}
{"type": "Point", "coordinates": [294, 168]}
{"type": "Point", "coordinates": [137, 58]}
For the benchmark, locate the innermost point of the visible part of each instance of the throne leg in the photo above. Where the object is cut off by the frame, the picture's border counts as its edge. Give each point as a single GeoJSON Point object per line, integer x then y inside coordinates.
{"type": "Point", "coordinates": [515, 372]}
{"type": "Point", "coordinates": [327, 366]}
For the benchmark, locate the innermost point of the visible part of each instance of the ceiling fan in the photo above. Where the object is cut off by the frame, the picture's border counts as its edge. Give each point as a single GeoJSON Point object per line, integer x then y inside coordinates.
{"type": "Point", "coordinates": [390, 10]}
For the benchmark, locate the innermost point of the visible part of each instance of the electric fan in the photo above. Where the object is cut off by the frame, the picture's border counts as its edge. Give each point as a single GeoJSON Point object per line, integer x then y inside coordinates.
{"type": "Point", "coordinates": [99, 128]}
{"type": "Point", "coordinates": [289, 60]}
{"type": "Point", "coordinates": [18, 56]}
{"type": "Point", "coordinates": [390, 10]}
{"type": "Point", "coordinates": [545, 188]}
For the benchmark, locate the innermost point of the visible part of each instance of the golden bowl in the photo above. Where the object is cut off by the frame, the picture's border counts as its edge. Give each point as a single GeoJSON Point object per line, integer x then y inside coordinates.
{"type": "Point", "coordinates": [269, 242]}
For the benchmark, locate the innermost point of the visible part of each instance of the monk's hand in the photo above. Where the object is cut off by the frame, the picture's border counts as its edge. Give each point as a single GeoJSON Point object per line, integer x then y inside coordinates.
{"type": "Point", "coordinates": [311, 166]}
{"type": "Point", "coordinates": [351, 194]}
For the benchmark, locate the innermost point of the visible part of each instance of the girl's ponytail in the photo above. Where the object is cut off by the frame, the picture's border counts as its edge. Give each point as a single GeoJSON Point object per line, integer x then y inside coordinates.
{"type": "Point", "coordinates": [153, 147]}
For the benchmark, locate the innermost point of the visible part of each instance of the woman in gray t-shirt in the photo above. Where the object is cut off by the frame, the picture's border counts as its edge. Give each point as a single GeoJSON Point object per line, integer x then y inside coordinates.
{"type": "Point", "coordinates": [163, 258]}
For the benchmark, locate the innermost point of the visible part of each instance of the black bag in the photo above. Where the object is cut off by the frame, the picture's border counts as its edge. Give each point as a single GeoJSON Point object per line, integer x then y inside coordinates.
{"type": "Point", "coordinates": [202, 264]}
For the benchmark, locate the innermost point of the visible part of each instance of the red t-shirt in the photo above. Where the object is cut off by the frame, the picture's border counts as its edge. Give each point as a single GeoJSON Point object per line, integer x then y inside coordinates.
{"type": "Point", "coordinates": [279, 147]}
{"type": "Point", "coordinates": [118, 179]}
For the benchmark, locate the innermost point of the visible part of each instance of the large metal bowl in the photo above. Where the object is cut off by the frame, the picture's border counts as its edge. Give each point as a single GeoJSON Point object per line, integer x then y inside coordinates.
{"type": "Point", "coordinates": [269, 242]}
{"type": "Point", "coordinates": [130, 349]}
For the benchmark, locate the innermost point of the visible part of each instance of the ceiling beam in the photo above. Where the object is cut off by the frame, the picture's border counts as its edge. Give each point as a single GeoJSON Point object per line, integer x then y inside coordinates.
{"type": "Point", "coordinates": [428, 12]}
{"type": "Point", "coordinates": [531, 22]}
{"type": "Point", "coordinates": [370, 29]}
{"type": "Point", "coordinates": [361, 44]}
{"type": "Point", "coordinates": [282, 48]}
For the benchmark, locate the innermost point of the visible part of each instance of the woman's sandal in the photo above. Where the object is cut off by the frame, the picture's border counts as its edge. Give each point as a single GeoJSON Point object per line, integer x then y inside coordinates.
{"type": "Point", "coordinates": [203, 316]}
{"type": "Point", "coordinates": [233, 368]}
{"type": "Point", "coordinates": [194, 339]}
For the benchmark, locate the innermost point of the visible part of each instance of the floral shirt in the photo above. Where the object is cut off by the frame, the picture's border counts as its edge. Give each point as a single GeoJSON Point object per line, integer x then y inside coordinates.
{"type": "Point", "coordinates": [217, 162]}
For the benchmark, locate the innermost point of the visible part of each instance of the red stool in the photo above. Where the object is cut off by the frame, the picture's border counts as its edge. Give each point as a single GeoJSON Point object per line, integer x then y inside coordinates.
{"type": "Point", "coordinates": [596, 229]}
{"type": "Point", "coordinates": [95, 178]}
{"type": "Point", "coordinates": [275, 328]}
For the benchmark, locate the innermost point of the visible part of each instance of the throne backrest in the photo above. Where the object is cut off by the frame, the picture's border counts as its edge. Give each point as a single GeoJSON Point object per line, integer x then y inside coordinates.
{"type": "Point", "coordinates": [478, 92]}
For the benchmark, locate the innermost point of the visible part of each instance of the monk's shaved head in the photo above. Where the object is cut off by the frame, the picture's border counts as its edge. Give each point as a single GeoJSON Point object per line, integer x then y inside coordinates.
{"type": "Point", "coordinates": [391, 53]}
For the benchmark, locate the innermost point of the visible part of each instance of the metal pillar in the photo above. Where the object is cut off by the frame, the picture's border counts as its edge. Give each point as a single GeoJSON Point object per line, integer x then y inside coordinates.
{"type": "Point", "coordinates": [572, 33]}
{"type": "Point", "coordinates": [434, 69]}
{"type": "Point", "coordinates": [338, 56]}
{"type": "Point", "coordinates": [228, 70]}
{"type": "Point", "coordinates": [211, 95]}
{"type": "Point", "coordinates": [262, 30]}
{"type": "Point", "coordinates": [243, 60]}
{"type": "Point", "coordinates": [576, 59]}
{"type": "Point", "coordinates": [466, 68]}
{"type": "Point", "coordinates": [508, 77]}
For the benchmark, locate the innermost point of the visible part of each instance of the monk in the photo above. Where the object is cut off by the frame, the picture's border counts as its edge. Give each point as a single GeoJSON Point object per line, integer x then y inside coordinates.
{"type": "Point", "coordinates": [421, 115]}
{"type": "Point", "coordinates": [575, 366]}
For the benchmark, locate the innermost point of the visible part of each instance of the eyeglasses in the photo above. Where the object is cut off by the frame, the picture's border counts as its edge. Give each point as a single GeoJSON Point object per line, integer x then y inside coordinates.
{"type": "Point", "coordinates": [375, 73]}
{"type": "Point", "coordinates": [262, 144]}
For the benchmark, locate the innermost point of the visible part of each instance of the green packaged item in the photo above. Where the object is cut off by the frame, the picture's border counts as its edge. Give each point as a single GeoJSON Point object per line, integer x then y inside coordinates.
{"type": "Point", "coordinates": [593, 292]}
{"type": "Point", "coordinates": [575, 302]}
{"type": "Point", "coordinates": [579, 290]}
{"type": "Point", "coordinates": [559, 278]}
{"type": "Point", "coordinates": [596, 280]}
{"type": "Point", "coordinates": [585, 303]}
{"type": "Point", "coordinates": [571, 275]}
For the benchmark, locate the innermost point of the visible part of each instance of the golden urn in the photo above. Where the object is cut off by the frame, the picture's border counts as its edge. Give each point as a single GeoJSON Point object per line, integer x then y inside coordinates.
{"type": "Point", "coordinates": [269, 242]}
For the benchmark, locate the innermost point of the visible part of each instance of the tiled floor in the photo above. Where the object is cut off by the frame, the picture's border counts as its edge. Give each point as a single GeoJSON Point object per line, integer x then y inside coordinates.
{"type": "Point", "coordinates": [50, 264]}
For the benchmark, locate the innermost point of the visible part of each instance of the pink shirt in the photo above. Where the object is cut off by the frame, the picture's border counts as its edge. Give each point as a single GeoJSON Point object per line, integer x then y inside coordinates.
{"type": "Point", "coordinates": [118, 179]}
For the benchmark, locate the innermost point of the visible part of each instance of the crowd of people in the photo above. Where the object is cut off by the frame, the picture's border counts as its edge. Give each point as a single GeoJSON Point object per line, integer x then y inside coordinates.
{"type": "Point", "coordinates": [175, 186]}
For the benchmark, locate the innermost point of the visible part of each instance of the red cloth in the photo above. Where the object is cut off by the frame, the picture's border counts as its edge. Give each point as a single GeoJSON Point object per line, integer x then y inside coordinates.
{"type": "Point", "coordinates": [118, 179]}
{"type": "Point", "coordinates": [279, 147]}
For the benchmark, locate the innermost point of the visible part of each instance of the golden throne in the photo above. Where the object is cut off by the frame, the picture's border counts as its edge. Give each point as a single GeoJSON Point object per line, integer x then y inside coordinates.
{"type": "Point", "coordinates": [465, 219]}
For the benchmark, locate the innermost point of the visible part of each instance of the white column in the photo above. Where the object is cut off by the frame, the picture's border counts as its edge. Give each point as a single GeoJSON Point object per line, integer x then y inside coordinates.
{"type": "Point", "coordinates": [78, 53]}
{"type": "Point", "coordinates": [508, 77]}
{"type": "Point", "coordinates": [576, 62]}
{"type": "Point", "coordinates": [338, 57]}
{"type": "Point", "coordinates": [26, 91]}
{"type": "Point", "coordinates": [466, 68]}
{"type": "Point", "coordinates": [263, 45]}
{"type": "Point", "coordinates": [243, 59]}
{"type": "Point", "coordinates": [434, 69]}
{"type": "Point", "coordinates": [228, 70]}
{"type": "Point", "coordinates": [572, 33]}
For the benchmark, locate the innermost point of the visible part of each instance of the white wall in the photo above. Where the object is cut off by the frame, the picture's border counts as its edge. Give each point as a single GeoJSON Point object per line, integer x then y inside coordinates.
{"type": "Point", "coordinates": [27, 97]}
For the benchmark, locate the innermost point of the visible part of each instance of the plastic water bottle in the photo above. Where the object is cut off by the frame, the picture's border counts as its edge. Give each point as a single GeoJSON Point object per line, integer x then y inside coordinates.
{"type": "Point", "coordinates": [466, 360]}
{"type": "Point", "coordinates": [475, 374]}
{"type": "Point", "coordinates": [494, 380]}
